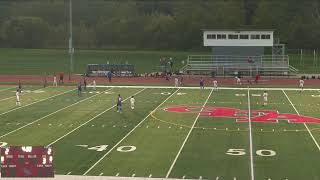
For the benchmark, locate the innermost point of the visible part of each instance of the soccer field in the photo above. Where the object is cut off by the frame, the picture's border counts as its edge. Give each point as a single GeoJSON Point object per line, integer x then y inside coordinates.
{"type": "Point", "coordinates": [184, 133]}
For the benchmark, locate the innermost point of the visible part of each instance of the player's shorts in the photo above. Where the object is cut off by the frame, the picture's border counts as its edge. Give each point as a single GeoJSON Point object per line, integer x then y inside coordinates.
{"type": "Point", "coordinates": [301, 85]}
{"type": "Point", "coordinates": [265, 99]}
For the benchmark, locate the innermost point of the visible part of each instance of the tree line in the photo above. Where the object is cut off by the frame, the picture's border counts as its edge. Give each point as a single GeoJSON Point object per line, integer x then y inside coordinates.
{"type": "Point", "coordinates": [152, 24]}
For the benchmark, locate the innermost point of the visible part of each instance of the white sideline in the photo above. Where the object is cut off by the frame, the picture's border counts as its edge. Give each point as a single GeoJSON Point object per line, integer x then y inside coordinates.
{"type": "Point", "coordinates": [77, 177]}
{"type": "Point", "coordinates": [35, 102]}
{"type": "Point", "coordinates": [209, 87]}
{"type": "Point", "coordinates": [314, 140]}
{"type": "Point", "coordinates": [250, 138]}
{"type": "Point", "coordinates": [50, 114]}
{"type": "Point", "coordinates": [187, 137]}
{"type": "Point", "coordinates": [90, 120]}
{"type": "Point", "coordinates": [128, 134]}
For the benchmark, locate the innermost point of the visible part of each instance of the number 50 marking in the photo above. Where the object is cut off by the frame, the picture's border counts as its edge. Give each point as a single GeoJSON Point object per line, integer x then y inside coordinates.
{"type": "Point", "coordinates": [241, 152]}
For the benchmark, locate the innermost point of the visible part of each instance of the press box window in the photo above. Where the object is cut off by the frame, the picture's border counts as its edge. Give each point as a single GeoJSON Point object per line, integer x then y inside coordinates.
{"type": "Point", "coordinates": [244, 36]}
{"type": "Point", "coordinates": [211, 36]}
{"type": "Point", "coordinates": [221, 36]}
{"type": "Point", "coordinates": [233, 36]}
{"type": "Point", "coordinates": [255, 36]}
{"type": "Point", "coordinates": [265, 36]}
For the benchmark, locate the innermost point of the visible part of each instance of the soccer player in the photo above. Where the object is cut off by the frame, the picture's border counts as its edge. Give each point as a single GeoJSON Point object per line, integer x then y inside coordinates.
{"type": "Point", "coordinates": [301, 83]}
{"type": "Point", "coordinates": [238, 80]}
{"type": "Point", "coordinates": [109, 75]}
{"type": "Point", "coordinates": [20, 87]}
{"type": "Point", "coordinates": [85, 83]}
{"type": "Point", "coordinates": [55, 83]}
{"type": "Point", "coordinates": [18, 98]}
{"type": "Point", "coordinates": [176, 82]}
{"type": "Point", "coordinates": [215, 85]}
{"type": "Point", "coordinates": [94, 84]}
{"type": "Point", "coordinates": [61, 78]}
{"type": "Point", "coordinates": [265, 98]}
{"type": "Point", "coordinates": [79, 89]}
{"type": "Point", "coordinates": [119, 104]}
{"type": "Point", "coordinates": [181, 81]}
{"type": "Point", "coordinates": [256, 80]}
{"type": "Point", "coordinates": [201, 83]}
{"type": "Point", "coordinates": [132, 101]}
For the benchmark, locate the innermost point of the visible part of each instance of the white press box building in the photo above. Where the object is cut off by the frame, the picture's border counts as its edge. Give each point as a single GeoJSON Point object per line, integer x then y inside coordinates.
{"type": "Point", "coordinates": [238, 42]}
{"type": "Point", "coordinates": [240, 52]}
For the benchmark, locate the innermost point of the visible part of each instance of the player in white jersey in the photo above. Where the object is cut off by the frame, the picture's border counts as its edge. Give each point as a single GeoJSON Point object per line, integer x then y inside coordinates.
{"type": "Point", "coordinates": [238, 80]}
{"type": "Point", "coordinates": [176, 82]}
{"type": "Point", "coordinates": [215, 85]}
{"type": "Point", "coordinates": [94, 84]}
{"type": "Point", "coordinates": [18, 98]}
{"type": "Point", "coordinates": [55, 84]}
{"type": "Point", "coordinates": [265, 98]}
{"type": "Point", "coordinates": [132, 101]}
{"type": "Point", "coordinates": [301, 83]}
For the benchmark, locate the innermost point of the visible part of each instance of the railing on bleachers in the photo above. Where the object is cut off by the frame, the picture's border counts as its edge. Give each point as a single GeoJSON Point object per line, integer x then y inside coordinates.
{"type": "Point", "coordinates": [231, 65]}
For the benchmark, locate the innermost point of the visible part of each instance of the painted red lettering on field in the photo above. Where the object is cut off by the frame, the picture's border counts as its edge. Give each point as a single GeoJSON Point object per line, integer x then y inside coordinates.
{"type": "Point", "coordinates": [242, 115]}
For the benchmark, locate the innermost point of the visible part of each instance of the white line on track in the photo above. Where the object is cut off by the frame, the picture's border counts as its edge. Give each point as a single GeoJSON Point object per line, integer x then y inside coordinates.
{"type": "Point", "coordinates": [48, 115]}
{"type": "Point", "coordinates": [250, 137]}
{"type": "Point", "coordinates": [185, 140]}
{"type": "Point", "coordinates": [226, 88]}
{"type": "Point", "coordinates": [90, 120]}
{"type": "Point", "coordinates": [35, 102]}
{"type": "Point", "coordinates": [128, 134]}
{"type": "Point", "coordinates": [314, 140]}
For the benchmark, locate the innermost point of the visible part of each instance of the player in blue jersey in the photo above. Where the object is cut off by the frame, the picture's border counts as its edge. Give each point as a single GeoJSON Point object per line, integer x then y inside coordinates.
{"type": "Point", "coordinates": [119, 104]}
{"type": "Point", "coordinates": [201, 83]}
{"type": "Point", "coordinates": [79, 89]}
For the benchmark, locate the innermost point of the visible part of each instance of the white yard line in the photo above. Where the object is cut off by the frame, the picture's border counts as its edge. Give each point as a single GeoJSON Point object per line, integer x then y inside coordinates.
{"type": "Point", "coordinates": [250, 138]}
{"type": "Point", "coordinates": [90, 120]}
{"type": "Point", "coordinates": [128, 134]}
{"type": "Point", "coordinates": [50, 114]}
{"type": "Point", "coordinates": [197, 87]}
{"type": "Point", "coordinates": [35, 102]}
{"type": "Point", "coordinates": [305, 125]}
{"type": "Point", "coordinates": [187, 137]}
{"type": "Point", "coordinates": [6, 89]}
{"type": "Point", "coordinates": [7, 98]}
{"type": "Point", "coordinates": [15, 96]}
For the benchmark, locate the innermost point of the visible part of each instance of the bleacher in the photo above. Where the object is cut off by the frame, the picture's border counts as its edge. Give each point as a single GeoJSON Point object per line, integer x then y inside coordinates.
{"type": "Point", "coordinates": [232, 65]}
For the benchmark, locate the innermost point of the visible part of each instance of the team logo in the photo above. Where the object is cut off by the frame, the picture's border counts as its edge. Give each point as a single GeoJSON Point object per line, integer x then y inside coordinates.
{"type": "Point", "coordinates": [264, 116]}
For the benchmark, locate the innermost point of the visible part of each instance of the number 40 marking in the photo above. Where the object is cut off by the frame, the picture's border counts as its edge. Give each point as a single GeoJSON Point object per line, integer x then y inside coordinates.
{"type": "Point", "coordinates": [241, 152]}
{"type": "Point", "coordinates": [104, 147]}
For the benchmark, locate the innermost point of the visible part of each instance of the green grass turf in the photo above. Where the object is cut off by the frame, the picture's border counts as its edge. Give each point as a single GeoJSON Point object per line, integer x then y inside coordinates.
{"type": "Point", "coordinates": [50, 61]}
{"type": "Point", "coordinates": [91, 121]}
{"type": "Point", "coordinates": [41, 61]}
